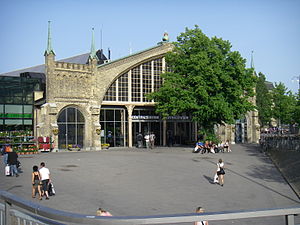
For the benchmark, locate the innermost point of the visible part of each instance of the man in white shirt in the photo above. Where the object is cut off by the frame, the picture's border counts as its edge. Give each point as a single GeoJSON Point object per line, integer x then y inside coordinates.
{"type": "Point", "coordinates": [45, 178]}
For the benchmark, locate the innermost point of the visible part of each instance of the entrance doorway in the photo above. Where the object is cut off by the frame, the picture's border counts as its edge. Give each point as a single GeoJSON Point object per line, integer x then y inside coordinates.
{"type": "Point", "coordinates": [114, 126]}
{"type": "Point", "coordinates": [241, 131]}
{"type": "Point", "coordinates": [146, 127]}
{"type": "Point", "coordinates": [71, 128]}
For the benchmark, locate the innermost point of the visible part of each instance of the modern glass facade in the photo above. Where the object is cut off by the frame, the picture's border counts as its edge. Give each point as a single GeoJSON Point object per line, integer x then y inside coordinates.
{"type": "Point", "coordinates": [16, 102]}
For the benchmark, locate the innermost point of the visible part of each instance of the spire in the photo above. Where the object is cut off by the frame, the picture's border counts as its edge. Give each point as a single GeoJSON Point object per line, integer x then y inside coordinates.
{"type": "Point", "coordinates": [93, 50]}
{"type": "Point", "coordinates": [252, 62]}
{"type": "Point", "coordinates": [49, 49]}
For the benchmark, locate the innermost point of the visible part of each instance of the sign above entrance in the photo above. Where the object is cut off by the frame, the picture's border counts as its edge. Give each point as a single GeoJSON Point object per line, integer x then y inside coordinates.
{"type": "Point", "coordinates": [151, 117]}
{"type": "Point", "coordinates": [177, 118]}
{"type": "Point", "coordinates": [137, 117]}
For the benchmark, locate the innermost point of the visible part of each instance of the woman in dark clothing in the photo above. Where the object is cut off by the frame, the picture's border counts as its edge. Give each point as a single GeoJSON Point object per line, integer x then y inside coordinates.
{"type": "Point", "coordinates": [36, 179]}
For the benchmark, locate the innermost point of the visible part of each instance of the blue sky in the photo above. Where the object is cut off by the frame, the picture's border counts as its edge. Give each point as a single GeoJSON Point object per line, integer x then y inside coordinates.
{"type": "Point", "coordinates": [269, 28]}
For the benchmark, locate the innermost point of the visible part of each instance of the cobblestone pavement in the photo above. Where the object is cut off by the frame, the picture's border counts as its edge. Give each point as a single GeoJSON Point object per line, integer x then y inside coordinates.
{"type": "Point", "coordinates": [139, 182]}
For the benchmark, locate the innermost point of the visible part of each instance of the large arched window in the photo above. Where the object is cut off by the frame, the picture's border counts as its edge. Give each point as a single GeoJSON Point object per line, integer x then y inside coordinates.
{"type": "Point", "coordinates": [71, 128]}
{"type": "Point", "coordinates": [133, 85]}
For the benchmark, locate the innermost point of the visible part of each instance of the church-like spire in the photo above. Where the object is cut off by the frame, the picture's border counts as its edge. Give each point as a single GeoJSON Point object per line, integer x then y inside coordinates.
{"type": "Point", "coordinates": [93, 54]}
{"type": "Point", "coordinates": [49, 49]}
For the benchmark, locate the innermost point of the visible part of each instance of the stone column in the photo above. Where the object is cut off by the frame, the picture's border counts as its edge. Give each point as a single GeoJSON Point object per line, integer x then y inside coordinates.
{"type": "Point", "coordinates": [130, 110]}
{"type": "Point", "coordinates": [95, 127]}
{"type": "Point", "coordinates": [164, 132]}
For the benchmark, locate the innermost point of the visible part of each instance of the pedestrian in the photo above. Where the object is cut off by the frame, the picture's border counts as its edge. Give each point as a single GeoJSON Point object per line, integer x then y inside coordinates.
{"type": "Point", "coordinates": [226, 146]}
{"type": "Point", "coordinates": [45, 179]}
{"type": "Point", "coordinates": [110, 139]}
{"type": "Point", "coordinates": [36, 180]}
{"type": "Point", "coordinates": [152, 140]}
{"type": "Point", "coordinates": [147, 140]}
{"type": "Point", "coordinates": [221, 172]}
{"type": "Point", "coordinates": [12, 160]}
{"type": "Point", "coordinates": [139, 139]}
{"type": "Point", "coordinates": [4, 153]}
{"type": "Point", "coordinates": [102, 212]}
{"type": "Point", "coordinates": [204, 222]}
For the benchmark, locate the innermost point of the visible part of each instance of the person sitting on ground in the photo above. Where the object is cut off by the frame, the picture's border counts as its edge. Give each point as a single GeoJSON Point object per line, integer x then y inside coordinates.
{"type": "Point", "coordinates": [199, 147]}
{"type": "Point", "coordinates": [211, 147]}
{"type": "Point", "coordinates": [206, 147]}
{"type": "Point", "coordinates": [102, 212]}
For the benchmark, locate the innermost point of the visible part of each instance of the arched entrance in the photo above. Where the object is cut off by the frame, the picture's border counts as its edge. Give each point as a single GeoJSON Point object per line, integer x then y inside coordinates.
{"type": "Point", "coordinates": [241, 131]}
{"type": "Point", "coordinates": [71, 128]}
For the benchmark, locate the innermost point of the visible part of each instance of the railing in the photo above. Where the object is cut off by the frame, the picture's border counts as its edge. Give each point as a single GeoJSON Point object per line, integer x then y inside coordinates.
{"type": "Point", "coordinates": [283, 142]}
{"type": "Point", "coordinates": [52, 216]}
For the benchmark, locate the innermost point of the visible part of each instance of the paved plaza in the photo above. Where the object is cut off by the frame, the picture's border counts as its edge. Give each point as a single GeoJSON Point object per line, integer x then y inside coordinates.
{"type": "Point", "coordinates": [140, 182]}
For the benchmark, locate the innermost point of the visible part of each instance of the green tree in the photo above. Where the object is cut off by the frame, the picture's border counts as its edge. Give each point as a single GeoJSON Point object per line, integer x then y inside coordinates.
{"type": "Point", "coordinates": [207, 80]}
{"type": "Point", "coordinates": [296, 113]}
{"type": "Point", "coordinates": [284, 103]}
{"type": "Point", "coordinates": [263, 101]}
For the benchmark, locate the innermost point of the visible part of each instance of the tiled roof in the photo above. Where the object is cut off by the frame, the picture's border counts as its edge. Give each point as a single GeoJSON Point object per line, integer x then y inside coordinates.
{"type": "Point", "coordinates": [79, 59]}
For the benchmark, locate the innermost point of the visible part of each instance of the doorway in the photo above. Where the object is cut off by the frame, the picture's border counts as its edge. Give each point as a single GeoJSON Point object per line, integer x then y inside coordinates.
{"type": "Point", "coordinates": [71, 125]}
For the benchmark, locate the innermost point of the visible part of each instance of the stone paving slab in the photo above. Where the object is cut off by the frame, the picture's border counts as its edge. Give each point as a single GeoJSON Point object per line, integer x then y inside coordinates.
{"type": "Point", "coordinates": [140, 182]}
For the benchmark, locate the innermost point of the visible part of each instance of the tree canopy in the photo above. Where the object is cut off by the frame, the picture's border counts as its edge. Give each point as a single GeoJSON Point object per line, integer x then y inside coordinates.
{"type": "Point", "coordinates": [206, 79]}
{"type": "Point", "coordinates": [284, 104]}
{"type": "Point", "coordinates": [263, 101]}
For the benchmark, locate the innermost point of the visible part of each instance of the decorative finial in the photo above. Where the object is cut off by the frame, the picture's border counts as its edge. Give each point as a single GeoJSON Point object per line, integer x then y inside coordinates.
{"type": "Point", "coordinates": [252, 61]}
{"type": "Point", "coordinates": [49, 44]}
{"type": "Point", "coordinates": [165, 37]}
{"type": "Point", "coordinates": [93, 54]}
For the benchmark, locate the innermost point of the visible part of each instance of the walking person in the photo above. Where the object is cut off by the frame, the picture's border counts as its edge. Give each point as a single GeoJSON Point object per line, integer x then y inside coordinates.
{"type": "Point", "coordinates": [204, 222]}
{"type": "Point", "coordinates": [12, 161]}
{"type": "Point", "coordinates": [36, 179]}
{"type": "Point", "coordinates": [139, 139]}
{"type": "Point", "coordinates": [152, 140]}
{"type": "Point", "coordinates": [4, 153]}
{"type": "Point", "coordinates": [220, 172]}
{"type": "Point", "coordinates": [45, 179]}
{"type": "Point", "coordinates": [147, 140]}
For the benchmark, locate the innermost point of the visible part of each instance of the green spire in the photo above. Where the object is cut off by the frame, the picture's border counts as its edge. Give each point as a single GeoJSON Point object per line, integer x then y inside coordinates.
{"type": "Point", "coordinates": [49, 45]}
{"type": "Point", "coordinates": [252, 62]}
{"type": "Point", "coordinates": [93, 49]}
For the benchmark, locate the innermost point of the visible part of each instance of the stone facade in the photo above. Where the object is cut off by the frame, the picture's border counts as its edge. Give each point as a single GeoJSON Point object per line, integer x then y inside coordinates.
{"type": "Point", "coordinates": [83, 86]}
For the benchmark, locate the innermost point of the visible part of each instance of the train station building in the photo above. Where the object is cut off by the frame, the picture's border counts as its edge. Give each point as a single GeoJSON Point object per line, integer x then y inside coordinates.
{"type": "Point", "coordinates": [89, 100]}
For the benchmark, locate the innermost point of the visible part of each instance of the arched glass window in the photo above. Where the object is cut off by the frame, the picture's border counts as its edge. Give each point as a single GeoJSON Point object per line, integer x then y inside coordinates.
{"type": "Point", "coordinates": [133, 85]}
{"type": "Point", "coordinates": [71, 128]}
